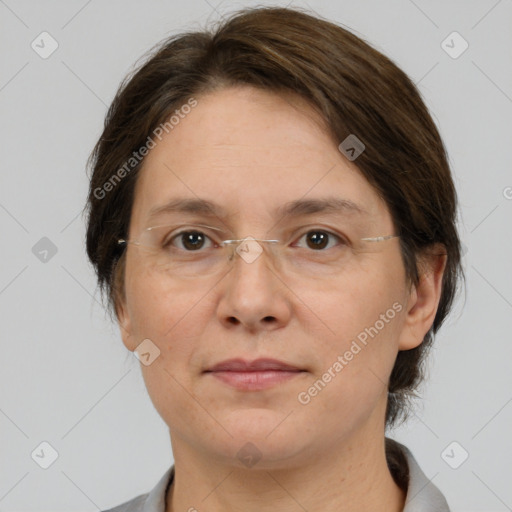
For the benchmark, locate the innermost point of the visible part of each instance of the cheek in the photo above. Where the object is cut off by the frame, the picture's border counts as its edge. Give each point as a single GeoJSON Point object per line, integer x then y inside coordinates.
{"type": "Point", "coordinates": [173, 318]}
{"type": "Point", "coordinates": [162, 309]}
{"type": "Point", "coordinates": [351, 380]}
{"type": "Point", "coordinates": [363, 318]}
{"type": "Point", "coordinates": [347, 307]}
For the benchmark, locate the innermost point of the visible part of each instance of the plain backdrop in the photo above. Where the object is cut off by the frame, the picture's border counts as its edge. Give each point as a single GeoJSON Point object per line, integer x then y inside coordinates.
{"type": "Point", "coordinates": [65, 377]}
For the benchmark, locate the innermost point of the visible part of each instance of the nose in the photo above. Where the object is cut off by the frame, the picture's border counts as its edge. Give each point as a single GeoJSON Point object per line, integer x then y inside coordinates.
{"type": "Point", "coordinates": [253, 295]}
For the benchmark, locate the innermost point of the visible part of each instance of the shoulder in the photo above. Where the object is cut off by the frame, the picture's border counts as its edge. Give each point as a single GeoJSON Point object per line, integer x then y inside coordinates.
{"type": "Point", "coordinates": [153, 501]}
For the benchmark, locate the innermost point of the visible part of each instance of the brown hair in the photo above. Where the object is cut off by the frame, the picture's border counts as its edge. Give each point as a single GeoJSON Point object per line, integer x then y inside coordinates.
{"type": "Point", "coordinates": [356, 89]}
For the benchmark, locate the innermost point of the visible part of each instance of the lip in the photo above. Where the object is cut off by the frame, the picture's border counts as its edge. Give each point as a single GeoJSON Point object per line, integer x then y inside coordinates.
{"type": "Point", "coordinates": [258, 365]}
{"type": "Point", "coordinates": [253, 375]}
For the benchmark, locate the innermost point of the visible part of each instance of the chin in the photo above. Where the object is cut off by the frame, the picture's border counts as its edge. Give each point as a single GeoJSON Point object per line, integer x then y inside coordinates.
{"type": "Point", "coordinates": [261, 439]}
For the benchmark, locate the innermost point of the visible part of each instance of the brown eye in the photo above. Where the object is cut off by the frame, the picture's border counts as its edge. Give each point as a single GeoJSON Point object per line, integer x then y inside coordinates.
{"type": "Point", "coordinates": [318, 240]}
{"type": "Point", "coordinates": [190, 240]}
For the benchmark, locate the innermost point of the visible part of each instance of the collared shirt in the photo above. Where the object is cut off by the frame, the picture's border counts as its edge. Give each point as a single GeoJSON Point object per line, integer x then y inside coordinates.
{"type": "Point", "coordinates": [422, 494]}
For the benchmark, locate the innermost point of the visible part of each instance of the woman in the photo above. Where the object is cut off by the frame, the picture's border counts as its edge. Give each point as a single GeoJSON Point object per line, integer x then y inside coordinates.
{"type": "Point", "coordinates": [272, 216]}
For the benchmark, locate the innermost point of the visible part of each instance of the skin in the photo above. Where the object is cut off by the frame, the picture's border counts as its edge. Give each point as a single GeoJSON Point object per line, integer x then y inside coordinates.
{"type": "Point", "coordinates": [251, 151]}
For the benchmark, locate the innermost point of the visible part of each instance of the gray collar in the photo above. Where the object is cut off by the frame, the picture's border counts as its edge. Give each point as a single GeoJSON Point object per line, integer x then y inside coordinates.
{"type": "Point", "coordinates": [422, 494]}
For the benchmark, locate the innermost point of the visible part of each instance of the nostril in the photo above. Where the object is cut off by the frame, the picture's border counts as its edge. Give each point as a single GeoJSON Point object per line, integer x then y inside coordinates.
{"type": "Point", "coordinates": [269, 319]}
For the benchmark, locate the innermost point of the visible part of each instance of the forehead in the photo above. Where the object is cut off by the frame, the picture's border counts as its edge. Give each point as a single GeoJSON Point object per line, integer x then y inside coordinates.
{"type": "Point", "coordinates": [252, 151]}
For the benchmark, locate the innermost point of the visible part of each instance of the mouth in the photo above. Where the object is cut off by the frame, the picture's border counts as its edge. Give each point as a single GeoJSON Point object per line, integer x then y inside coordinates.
{"type": "Point", "coordinates": [253, 375]}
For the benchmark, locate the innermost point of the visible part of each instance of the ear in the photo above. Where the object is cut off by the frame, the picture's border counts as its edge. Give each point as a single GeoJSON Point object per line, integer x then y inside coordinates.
{"type": "Point", "coordinates": [120, 306]}
{"type": "Point", "coordinates": [424, 299]}
{"type": "Point", "coordinates": [125, 325]}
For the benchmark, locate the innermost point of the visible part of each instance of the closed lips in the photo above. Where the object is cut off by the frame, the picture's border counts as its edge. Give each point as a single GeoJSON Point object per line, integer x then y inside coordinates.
{"type": "Point", "coordinates": [259, 365]}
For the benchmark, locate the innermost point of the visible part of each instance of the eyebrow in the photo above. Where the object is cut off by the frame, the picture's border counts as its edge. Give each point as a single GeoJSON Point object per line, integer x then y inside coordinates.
{"type": "Point", "coordinates": [326, 205]}
{"type": "Point", "coordinates": [296, 208]}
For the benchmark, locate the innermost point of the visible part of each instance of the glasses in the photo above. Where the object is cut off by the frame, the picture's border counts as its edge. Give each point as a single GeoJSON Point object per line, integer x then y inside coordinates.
{"type": "Point", "coordinates": [196, 250]}
{"type": "Point", "coordinates": [199, 250]}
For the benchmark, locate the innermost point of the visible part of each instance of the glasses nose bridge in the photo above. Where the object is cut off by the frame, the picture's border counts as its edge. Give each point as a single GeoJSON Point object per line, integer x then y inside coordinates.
{"type": "Point", "coordinates": [249, 249]}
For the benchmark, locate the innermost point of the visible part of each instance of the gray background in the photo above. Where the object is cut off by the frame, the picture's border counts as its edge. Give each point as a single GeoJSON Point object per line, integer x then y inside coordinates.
{"type": "Point", "coordinates": [66, 378]}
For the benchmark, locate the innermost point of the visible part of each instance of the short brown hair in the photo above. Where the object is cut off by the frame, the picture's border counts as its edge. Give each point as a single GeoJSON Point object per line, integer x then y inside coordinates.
{"type": "Point", "coordinates": [355, 88]}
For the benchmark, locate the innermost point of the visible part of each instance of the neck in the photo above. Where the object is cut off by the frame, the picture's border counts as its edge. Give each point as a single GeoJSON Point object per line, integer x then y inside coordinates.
{"type": "Point", "coordinates": [352, 476]}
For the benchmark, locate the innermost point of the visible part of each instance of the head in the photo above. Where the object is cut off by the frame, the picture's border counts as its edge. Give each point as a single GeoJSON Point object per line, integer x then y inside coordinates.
{"type": "Point", "coordinates": [250, 117]}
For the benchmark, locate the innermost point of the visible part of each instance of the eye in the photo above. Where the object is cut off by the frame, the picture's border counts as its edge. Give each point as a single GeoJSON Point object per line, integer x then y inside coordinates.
{"type": "Point", "coordinates": [318, 239]}
{"type": "Point", "coordinates": [191, 240]}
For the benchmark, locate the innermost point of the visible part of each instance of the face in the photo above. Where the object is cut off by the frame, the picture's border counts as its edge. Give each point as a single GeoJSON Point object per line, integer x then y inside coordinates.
{"type": "Point", "coordinates": [333, 337]}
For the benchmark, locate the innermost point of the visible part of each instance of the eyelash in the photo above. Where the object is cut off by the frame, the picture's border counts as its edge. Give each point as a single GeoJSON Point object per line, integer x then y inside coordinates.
{"type": "Point", "coordinates": [339, 238]}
